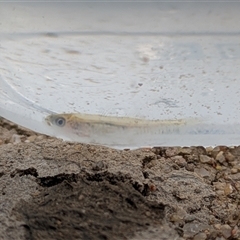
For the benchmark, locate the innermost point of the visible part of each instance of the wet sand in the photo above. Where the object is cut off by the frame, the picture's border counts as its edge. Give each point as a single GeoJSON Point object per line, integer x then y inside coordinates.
{"type": "Point", "coordinates": [52, 189]}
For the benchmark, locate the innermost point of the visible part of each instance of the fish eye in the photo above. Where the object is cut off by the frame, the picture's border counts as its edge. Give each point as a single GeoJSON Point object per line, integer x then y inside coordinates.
{"type": "Point", "coordinates": [60, 121]}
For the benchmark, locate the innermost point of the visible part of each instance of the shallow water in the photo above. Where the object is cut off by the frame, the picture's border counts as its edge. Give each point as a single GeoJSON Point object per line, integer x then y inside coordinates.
{"type": "Point", "coordinates": [153, 63]}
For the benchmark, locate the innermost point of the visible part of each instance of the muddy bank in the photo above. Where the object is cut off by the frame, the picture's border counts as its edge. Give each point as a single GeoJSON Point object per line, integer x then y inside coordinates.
{"type": "Point", "coordinates": [56, 190]}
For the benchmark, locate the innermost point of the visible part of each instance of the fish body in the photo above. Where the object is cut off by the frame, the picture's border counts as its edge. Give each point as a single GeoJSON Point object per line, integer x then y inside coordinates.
{"type": "Point", "coordinates": [117, 132]}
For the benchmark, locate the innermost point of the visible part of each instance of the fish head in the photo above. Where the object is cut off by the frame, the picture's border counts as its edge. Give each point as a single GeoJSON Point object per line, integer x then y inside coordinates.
{"type": "Point", "coordinates": [56, 120]}
{"type": "Point", "coordinates": [68, 126]}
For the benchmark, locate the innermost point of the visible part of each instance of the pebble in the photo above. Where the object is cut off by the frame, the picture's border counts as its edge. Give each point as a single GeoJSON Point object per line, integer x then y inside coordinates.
{"type": "Point", "coordinates": [234, 170]}
{"type": "Point", "coordinates": [199, 150]}
{"type": "Point", "coordinates": [229, 157]}
{"type": "Point", "coordinates": [193, 228]}
{"type": "Point", "coordinates": [226, 230]}
{"type": "Point", "coordinates": [40, 137]}
{"type": "Point", "coordinates": [228, 189]}
{"type": "Point", "coordinates": [148, 214]}
{"type": "Point", "coordinates": [205, 159]}
{"type": "Point", "coordinates": [236, 232]}
{"type": "Point", "coordinates": [16, 138]}
{"type": "Point", "coordinates": [215, 151]}
{"type": "Point", "coordinates": [176, 218]}
{"type": "Point", "coordinates": [185, 151]}
{"type": "Point", "coordinates": [32, 138]}
{"type": "Point", "coordinates": [220, 192]}
{"type": "Point", "coordinates": [235, 151]}
{"type": "Point", "coordinates": [203, 172]}
{"type": "Point", "coordinates": [220, 238]}
{"type": "Point", "coordinates": [71, 168]}
{"type": "Point", "coordinates": [172, 151]}
{"type": "Point", "coordinates": [218, 167]}
{"type": "Point", "coordinates": [218, 149]}
{"type": "Point", "coordinates": [179, 160]}
{"type": "Point", "coordinates": [219, 185]}
{"type": "Point", "coordinates": [200, 236]}
{"type": "Point", "coordinates": [179, 215]}
{"type": "Point", "coordinates": [209, 150]}
{"type": "Point", "coordinates": [217, 226]}
{"type": "Point", "coordinates": [236, 177]}
{"type": "Point", "coordinates": [190, 167]}
{"type": "Point", "coordinates": [220, 157]}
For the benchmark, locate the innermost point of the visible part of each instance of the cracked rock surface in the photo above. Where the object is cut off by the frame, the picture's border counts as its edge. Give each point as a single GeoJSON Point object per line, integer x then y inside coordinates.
{"type": "Point", "coordinates": [52, 189]}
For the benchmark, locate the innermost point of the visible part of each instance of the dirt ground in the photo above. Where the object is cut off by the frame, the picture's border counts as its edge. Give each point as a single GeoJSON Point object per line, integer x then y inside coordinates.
{"type": "Point", "coordinates": [51, 189]}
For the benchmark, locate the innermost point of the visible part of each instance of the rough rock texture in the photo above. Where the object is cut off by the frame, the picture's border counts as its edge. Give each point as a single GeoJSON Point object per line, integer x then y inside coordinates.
{"type": "Point", "coordinates": [52, 189]}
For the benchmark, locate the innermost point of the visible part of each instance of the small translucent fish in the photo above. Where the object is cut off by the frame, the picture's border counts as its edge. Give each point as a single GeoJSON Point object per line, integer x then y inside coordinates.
{"type": "Point", "coordinates": [117, 132]}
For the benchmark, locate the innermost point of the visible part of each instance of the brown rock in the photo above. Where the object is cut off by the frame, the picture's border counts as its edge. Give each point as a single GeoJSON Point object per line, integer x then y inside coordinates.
{"type": "Point", "coordinates": [185, 151]}
{"type": "Point", "coordinates": [228, 189]}
{"type": "Point", "coordinates": [202, 172]}
{"type": "Point", "coordinates": [229, 156]}
{"type": "Point", "coordinates": [234, 170]}
{"type": "Point", "coordinates": [199, 150]}
{"type": "Point", "coordinates": [15, 138]}
{"type": "Point", "coordinates": [205, 159]}
{"type": "Point", "coordinates": [218, 149]}
{"type": "Point", "coordinates": [236, 232]}
{"type": "Point", "coordinates": [220, 157]}
{"type": "Point", "coordinates": [172, 151]}
{"type": "Point", "coordinates": [179, 160]}
{"type": "Point", "coordinates": [226, 230]}
{"type": "Point", "coordinates": [209, 150]}
{"type": "Point", "coordinates": [235, 151]}
{"type": "Point", "coordinates": [32, 138]}
{"type": "Point", "coordinates": [200, 236]}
